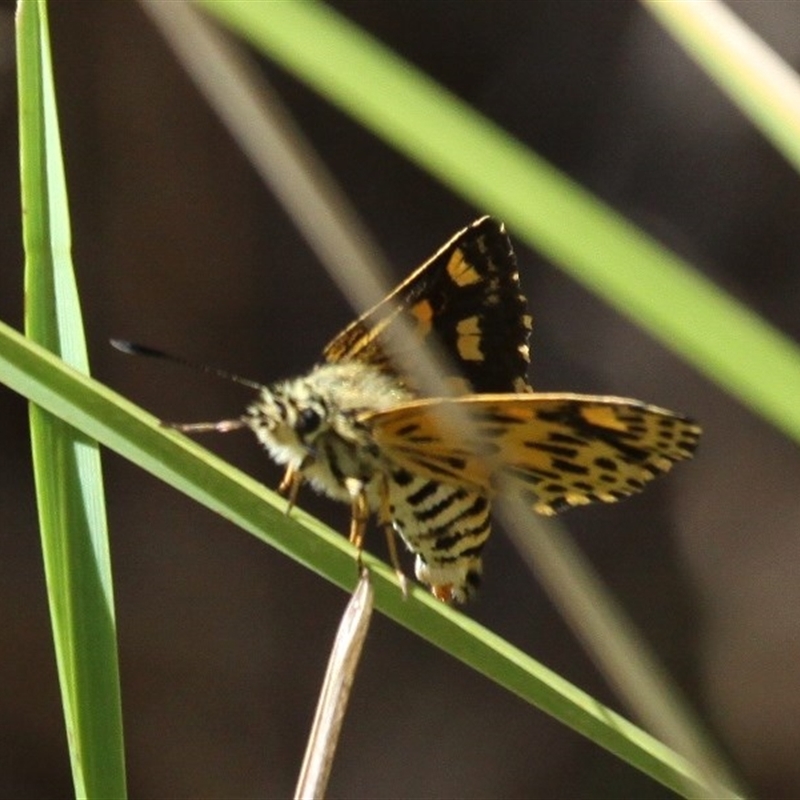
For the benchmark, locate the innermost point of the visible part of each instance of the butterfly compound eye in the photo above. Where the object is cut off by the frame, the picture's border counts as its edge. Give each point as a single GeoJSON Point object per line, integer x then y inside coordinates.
{"type": "Point", "coordinates": [308, 421]}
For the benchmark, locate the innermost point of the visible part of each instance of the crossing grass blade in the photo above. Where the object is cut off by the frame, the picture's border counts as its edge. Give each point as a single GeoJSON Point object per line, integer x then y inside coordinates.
{"type": "Point", "coordinates": [718, 335]}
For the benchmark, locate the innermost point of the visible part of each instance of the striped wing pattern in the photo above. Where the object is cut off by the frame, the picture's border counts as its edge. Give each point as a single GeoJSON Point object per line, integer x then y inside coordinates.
{"type": "Point", "coordinates": [559, 450]}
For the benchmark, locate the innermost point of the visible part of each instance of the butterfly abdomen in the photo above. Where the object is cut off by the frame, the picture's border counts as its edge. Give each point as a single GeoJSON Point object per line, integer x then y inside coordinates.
{"type": "Point", "coordinates": [446, 526]}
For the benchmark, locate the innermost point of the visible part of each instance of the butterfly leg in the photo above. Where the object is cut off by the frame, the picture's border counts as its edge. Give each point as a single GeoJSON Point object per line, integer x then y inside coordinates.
{"type": "Point", "coordinates": [290, 486]}
{"type": "Point", "coordinates": [359, 515]}
{"type": "Point", "coordinates": [385, 521]}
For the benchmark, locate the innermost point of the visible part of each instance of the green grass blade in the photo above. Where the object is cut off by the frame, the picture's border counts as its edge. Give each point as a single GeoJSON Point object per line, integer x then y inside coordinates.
{"type": "Point", "coordinates": [66, 462]}
{"type": "Point", "coordinates": [764, 87]}
{"type": "Point", "coordinates": [720, 336]}
{"type": "Point", "coordinates": [101, 414]}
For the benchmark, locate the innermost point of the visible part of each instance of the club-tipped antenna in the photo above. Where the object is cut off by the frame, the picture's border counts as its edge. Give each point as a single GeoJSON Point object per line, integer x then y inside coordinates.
{"type": "Point", "coordinates": [134, 349]}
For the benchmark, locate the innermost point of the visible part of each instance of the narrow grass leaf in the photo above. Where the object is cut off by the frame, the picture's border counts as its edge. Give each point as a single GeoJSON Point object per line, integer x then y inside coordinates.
{"type": "Point", "coordinates": [66, 462]}
{"type": "Point", "coordinates": [335, 693]}
{"type": "Point", "coordinates": [764, 87]}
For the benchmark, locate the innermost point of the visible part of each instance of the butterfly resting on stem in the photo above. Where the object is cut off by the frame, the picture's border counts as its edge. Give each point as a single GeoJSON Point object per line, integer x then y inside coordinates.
{"type": "Point", "coordinates": [357, 430]}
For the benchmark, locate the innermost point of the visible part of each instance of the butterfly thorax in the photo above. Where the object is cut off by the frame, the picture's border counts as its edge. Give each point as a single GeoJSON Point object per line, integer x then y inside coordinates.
{"type": "Point", "coordinates": [313, 424]}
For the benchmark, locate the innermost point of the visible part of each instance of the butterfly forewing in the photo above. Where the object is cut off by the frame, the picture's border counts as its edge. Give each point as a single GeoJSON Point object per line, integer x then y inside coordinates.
{"type": "Point", "coordinates": [559, 450]}
{"type": "Point", "coordinates": [468, 298]}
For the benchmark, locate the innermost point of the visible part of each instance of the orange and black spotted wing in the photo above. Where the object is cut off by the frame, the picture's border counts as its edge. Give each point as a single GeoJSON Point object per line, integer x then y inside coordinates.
{"type": "Point", "coordinates": [558, 450]}
{"type": "Point", "coordinates": [467, 296]}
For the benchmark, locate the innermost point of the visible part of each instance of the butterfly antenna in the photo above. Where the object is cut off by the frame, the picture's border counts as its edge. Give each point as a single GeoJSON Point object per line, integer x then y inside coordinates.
{"type": "Point", "coordinates": [133, 349]}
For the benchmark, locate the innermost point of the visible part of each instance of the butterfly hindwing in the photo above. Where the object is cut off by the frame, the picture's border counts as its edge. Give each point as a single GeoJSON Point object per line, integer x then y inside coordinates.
{"type": "Point", "coordinates": [467, 296]}
{"type": "Point", "coordinates": [560, 450]}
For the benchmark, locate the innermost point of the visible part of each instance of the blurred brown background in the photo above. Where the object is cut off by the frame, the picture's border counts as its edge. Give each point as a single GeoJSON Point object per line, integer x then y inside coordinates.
{"type": "Point", "coordinates": [223, 642]}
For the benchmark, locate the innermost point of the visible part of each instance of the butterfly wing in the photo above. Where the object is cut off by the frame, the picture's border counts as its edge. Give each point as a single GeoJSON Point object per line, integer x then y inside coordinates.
{"type": "Point", "coordinates": [559, 450]}
{"type": "Point", "coordinates": [446, 458]}
{"type": "Point", "coordinates": [467, 297]}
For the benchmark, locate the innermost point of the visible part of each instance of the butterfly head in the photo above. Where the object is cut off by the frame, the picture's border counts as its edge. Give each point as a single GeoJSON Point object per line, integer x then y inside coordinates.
{"type": "Point", "coordinates": [288, 419]}
{"type": "Point", "coordinates": [315, 424]}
